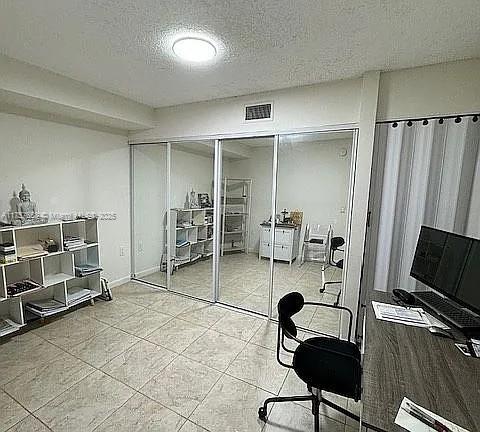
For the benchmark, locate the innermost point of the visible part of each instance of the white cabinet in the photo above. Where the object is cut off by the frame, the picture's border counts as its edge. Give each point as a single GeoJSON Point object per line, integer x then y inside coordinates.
{"type": "Point", "coordinates": [286, 242]}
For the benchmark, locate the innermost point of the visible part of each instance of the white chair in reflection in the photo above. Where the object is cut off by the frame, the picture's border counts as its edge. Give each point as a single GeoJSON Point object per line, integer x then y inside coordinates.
{"type": "Point", "coordinates": [314, 244]}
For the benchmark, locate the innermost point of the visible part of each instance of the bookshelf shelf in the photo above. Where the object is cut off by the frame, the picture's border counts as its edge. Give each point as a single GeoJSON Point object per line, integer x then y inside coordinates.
{"type": "Point", "coordinates": [191, 234]}
{"type": "Point", "coordinates": [236, 209]}
{"type": "Point", "coordinates": [53, 272]}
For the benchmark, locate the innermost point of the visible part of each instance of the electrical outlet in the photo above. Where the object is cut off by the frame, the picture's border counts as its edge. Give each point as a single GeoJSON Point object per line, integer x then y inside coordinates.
{"type": "Point", "coordinates": [122, 251]}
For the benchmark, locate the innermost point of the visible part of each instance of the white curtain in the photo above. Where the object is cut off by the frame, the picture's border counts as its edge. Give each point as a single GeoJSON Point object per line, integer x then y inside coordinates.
{"type": "Point", "coordinates": [424, 174]}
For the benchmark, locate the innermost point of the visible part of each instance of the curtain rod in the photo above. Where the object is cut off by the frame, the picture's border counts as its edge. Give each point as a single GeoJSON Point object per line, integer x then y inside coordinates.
{"type": "Point", "coordinates": [426, 119]}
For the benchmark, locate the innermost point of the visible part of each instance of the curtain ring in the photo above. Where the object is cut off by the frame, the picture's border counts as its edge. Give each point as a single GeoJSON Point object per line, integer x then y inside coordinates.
{"type": "Point", "coordinates": [475, 118]}
{"type": "Point", "coordinates": [458, 120]}
{"type": "Point", "coordinates": [441, 121]}
{"type": "Point", "coordinates": [395, 124]}
{"type": "Point", "coordinates": [425, 122]}
{"type": "Point", "coordinates": [409, 123]}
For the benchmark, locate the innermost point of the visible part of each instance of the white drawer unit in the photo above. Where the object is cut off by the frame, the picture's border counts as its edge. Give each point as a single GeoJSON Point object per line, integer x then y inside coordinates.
{"type": "Point", "coordinates": [286, 243]}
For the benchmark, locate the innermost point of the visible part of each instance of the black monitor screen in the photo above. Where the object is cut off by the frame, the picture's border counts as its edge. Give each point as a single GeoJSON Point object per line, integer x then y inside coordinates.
{"type": "Point", "coordinates": [428, 255]}
{"type": "Point", "coordinates": [468, 291]}
{"type": "Point", "coordinates": [449, 263]}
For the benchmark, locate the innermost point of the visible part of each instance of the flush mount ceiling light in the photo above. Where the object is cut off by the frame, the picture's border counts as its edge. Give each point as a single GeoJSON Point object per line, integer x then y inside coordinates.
{"type": "Point", "coordinates": [193, 49]}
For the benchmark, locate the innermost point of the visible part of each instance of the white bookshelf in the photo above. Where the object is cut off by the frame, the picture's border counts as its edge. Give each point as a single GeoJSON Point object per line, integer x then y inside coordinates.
{"type": "Point", "coordinates": [236, 209]}
{"type": "Point", "coordinates": [194, 227]}
{"type": "Point", "coordinates": [54, 272]}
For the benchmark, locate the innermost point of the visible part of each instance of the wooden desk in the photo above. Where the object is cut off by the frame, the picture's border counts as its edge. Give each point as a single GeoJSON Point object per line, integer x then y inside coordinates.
{"type": "Point", "coordinates": [409, 361]}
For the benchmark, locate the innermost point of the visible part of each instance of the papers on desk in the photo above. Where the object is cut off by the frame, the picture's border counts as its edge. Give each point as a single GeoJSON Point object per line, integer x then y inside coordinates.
{"type": "Point", "coordinates": [409, 316]}
{"type": "Point", "coordinates": [408, 418]}
{"type": "Point", "coordinates": [466, 351]}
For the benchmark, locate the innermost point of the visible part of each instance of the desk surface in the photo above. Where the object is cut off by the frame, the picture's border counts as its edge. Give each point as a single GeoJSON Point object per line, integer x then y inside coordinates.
{"type": "Point", "coordinates": [409, 361]}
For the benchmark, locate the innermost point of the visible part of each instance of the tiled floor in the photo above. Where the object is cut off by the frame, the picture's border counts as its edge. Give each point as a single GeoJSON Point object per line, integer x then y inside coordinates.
{"type": "Point", "coordinates": [244, 283]}
{"type": "Point", "coordinates": [150, 361]}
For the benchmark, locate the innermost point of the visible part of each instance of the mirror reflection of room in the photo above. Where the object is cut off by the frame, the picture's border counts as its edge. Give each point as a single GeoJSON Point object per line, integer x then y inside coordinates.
{"type": "Point", "coordinates": [313, 182]}
{"type": "Point", "coordinates": [149, 194]}
{"type": "Point", "coordinates": [191, 218]}
{"type": "Point", "coordinates": [312, 207]}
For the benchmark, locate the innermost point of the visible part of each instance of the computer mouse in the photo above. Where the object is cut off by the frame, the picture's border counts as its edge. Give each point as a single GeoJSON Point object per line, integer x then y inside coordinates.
{"type": "Point", "coordinates": [438, 331]}
{"type": "Point", "coordinates": [404, 296]}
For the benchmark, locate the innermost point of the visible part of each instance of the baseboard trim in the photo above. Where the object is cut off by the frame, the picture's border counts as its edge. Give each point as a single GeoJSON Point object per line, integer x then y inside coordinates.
{"type": "Point", "coordinates": [147, 271]}
{"type": "Point", "coordinates": [121, 281]}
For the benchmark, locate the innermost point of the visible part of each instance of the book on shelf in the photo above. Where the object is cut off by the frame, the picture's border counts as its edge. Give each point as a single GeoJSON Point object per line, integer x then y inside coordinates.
{"type": "Point", "coordinates": [44, 306]}
{"type": "Point", "coordinates": [7, 258]}
{"type": "Point", "coordinates": [83, 270]}
{"type": "Point", "coordinates": [7, 325]}
{"type": "Point", "coordinates": [72, 243]}
{"type": "Point", "coordinates": [78, 294]}
{"type": "Point", "coordinates": [7, 247]}
{"type": "Point", "coordinates": [30, 251]}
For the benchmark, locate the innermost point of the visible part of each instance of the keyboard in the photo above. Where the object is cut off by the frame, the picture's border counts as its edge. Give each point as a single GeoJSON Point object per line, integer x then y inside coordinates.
{"type": "Point", "coordinates": [459, 317]}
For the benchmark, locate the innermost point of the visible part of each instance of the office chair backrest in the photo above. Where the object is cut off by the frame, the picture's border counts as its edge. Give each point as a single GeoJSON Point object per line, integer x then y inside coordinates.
{"type": "Point", "coordinates": [288, 306]}
{"type": "Point", "coordinates": [337, 242]}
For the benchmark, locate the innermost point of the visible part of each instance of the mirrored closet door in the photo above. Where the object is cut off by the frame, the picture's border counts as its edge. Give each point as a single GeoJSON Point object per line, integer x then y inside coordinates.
{"type": "Point", "coordinates": [246, 206]}
{"type": "Point", "coordinates": [149, 208]}
{"type": "Point", "coordinates": [312, 204]}
{"type": "Point", "coordinates": [191, 228]}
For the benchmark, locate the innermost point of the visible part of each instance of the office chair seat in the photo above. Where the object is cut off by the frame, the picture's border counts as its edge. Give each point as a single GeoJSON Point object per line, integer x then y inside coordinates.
{"type": "Point", "coordinates": [336, 371]}
{"type": "Point", "coordinates": [322, 363]}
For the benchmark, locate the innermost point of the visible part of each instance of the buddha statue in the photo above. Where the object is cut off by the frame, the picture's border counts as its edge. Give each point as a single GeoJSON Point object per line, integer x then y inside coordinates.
{"type": "Point", "coordinates": [26, 209]}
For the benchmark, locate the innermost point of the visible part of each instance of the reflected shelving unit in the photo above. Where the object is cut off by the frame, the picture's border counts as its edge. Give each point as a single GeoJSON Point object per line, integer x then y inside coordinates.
{"type": "Point", "coordinates": [236, 210]}
{"type": "Point", "coordinates": [191, 234]}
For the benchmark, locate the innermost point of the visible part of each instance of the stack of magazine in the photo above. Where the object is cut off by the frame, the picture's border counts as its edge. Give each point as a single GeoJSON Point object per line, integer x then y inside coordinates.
{"type": "Point", "coordinates": [7, 325]}
{"type": "Point", "coordinates": [78, 295]}
{"type": "Point", "coordinates": [72, 243]}
{"type": "Point", "coordinates": [7, 253]}
{"type": "Point", "coordinates": [45, 307]}
{"type": "Point", "coordinates": [82, 270]}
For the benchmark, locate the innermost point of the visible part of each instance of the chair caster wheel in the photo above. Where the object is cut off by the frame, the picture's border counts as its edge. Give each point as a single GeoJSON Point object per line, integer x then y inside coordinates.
{"type": "Point", "coordinates": [262, 414]}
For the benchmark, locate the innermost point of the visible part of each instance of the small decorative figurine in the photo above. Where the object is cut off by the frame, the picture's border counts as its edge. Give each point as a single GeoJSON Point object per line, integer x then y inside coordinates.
{"type": "Point", "coordinates": [26, 208]}
{"type": "Point", "coordinates": [193, 200]}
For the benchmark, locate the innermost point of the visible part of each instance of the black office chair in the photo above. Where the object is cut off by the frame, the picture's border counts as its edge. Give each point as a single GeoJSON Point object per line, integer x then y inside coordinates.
{"type": "Point", "coordinates": [335, 243]}
{"type": "Point", "coordinates": [323, 363]}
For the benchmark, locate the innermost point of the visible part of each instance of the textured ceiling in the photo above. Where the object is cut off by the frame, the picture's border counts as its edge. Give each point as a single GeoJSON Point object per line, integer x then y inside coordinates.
{"type": "Point", "coordinates": [124, 46]}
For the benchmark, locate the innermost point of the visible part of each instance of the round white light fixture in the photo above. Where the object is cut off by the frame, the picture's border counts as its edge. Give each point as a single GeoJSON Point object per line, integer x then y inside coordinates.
{"type": "Point", "coordinates": [193, 49]}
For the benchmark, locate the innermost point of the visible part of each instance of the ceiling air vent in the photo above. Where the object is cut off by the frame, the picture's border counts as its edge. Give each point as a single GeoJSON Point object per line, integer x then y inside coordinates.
{"type": "Point", "coordinates": [258, 112]}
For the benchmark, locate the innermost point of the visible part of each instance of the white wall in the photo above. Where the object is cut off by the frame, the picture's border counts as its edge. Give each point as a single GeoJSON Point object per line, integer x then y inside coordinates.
{"type": "Point", "coordinates": [442, 89]}
{"type": "Point", "coordinates": [190, 171]}
{"type": "Point", "coordinates": [312, 178]}
{"type": "Point", "coordinates": [335, 103]}
{"type": "Point", "coordinates": [70, 169]}
{"type": "Point", "coordinates": [36, 90]}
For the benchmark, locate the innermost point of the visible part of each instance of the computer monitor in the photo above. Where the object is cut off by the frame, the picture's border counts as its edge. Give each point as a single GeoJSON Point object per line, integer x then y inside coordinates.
{"type": "Point", "coordinates": [450, 264]}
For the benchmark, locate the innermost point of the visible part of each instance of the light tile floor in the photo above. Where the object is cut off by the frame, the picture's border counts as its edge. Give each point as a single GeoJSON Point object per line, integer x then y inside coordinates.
{"type": "Point", "coordinates": [244, 283]}
{"type": "Point", "coordinates": [163, 363]}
